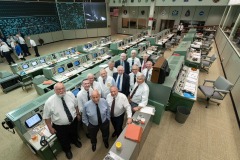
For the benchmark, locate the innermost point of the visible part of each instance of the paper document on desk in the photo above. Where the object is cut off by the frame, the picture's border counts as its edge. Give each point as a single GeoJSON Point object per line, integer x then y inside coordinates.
{"type": "Point", "coordinates": [103, 65]}
{"type": "Point", "coordinates": [193, 75]}
{"type": "Point", "coordinates": [148, 110]}
{"type": "Point", "coordinates": [191, 80]}
{"type": "Point", "coordinates": [112, 156]}
{"type": "Point", "coordinates": [45, 132]}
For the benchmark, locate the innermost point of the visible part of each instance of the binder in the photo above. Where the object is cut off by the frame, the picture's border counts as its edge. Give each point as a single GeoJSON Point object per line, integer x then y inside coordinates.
{"type": "Point", "coordinates": [134, 132]}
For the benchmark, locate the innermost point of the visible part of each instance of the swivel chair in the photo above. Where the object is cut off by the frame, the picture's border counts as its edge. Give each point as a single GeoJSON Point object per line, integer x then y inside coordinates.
{"type": "Point", "coordinates": [206, 62]}
{"type": "Point", "coordinates": [26, 81]}
{"type": "Point", "coordinates": [218, 90]}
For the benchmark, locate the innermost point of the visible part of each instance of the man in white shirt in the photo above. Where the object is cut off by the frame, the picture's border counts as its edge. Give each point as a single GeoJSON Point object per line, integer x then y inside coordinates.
{"type": "Point", "coordinates": [139, 95]}
{"type": "Point", "coordinates": [61, 115]}
{"type": "Point", "coordinates": [118, 104]}
{"type": "Point", "coordinates": [111, 69]}
{"type": "Point", "coordinates": [179, 29]}
{"type": "Point", "coordinates": [34, 46]}
{"type": "Point", "coordinates": [147, 72]}
{"type": "Point", "coordinates": [105, 83]}
{"type": "Point", "coordinates": [133, 60]}
{"type": "Point", "coordinates": [23, 45]}
{"type": "Point", "coordinates": [6, 53]}
{"type": "Point", "coordinates": [94, 84]}
{"type": "Point", "coordinates": [144, 61]}
{"type": "Point", "coordinates": [83, 96]}
{"type": "Point", "coordinates": [133, 76]}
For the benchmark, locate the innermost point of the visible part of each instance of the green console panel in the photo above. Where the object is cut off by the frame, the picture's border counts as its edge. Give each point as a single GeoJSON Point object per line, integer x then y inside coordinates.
{"type": "Point", "coordinates": [183, 48]}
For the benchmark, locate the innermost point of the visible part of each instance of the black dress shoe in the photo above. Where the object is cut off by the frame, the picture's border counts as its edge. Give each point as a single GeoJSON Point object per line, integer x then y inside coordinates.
{"type": "Point", "coordinates": [106, 144]}
{"type": "Point", "coordinates": [78, 144]}
{"type": "Point", "coordinates": [87, 135]}
{"type": "Point", "coordinates": [69, 155]}
{"type": "Point", "coordinates": [93, 147]}
{"type": "Point", "coordinates": [114, 134]}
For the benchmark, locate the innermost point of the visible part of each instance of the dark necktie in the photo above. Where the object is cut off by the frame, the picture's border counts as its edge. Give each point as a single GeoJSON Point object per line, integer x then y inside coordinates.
{"type": "Point", "coordinates": [147, 75]}
{"type": "Point", "coordinates": [112, 107]}
{"type": "Point", "coordinates": [104, 80]}
{"type": "Point", "coordinates": [132, 61]}
{"type": "Point", "coordinates": [118, 82]}
{"type": "Point", "coordinates": [88, 97]}
{"type": "Point", "coordinates": [134, 78]}
{"type": "Point", "coordinates": [99, 115]}
{"type": "Point", "coordinates": [134, 91]}
{"type": "Point", "coordinates": [70, 118]}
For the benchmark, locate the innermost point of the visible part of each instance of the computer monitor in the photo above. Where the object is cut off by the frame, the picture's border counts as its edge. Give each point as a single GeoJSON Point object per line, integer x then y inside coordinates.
{"type": "Point", "coordinates": [32, 121]}
{"type": "Point", "coordinates": [60, 70]}
{"type": "Point", "coordinates": [86, 46]}
{"type": "Point", "coordinates": [73, 50]}
{"type": "Point", "coordinates": [69, 65]}
{"type": "Point", "coordinates": [95, 55]}
{"type": "Point", "coordinates": [129, 40]}
{"type": "Point", "coordinates": [34, 63]}
{"type": "Point", "coordinates": [123, 43]}
{"type": "Point", "coordinates": [102, 51]}
{"type": "Point", "coordinates": [144, 48]}
{"type": "Point", "coordinates": [89, 45]}
{"type": "Point", "coordinates": [76, 63]}
{"type": "Point", "coordinates": [67, 52]}
{"type": "Point", "coordinates": [75, 91]}
{"type": "Point", "coordinates": [42, 61]}
{"type": "Point", "coordinates": [25, 66]}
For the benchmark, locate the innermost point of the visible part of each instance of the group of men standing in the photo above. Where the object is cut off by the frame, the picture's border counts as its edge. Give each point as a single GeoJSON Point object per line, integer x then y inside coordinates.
{"type": "Point", "coordinates": [17, 44]}
{"type": "Point", "coordinates": [99, 102]}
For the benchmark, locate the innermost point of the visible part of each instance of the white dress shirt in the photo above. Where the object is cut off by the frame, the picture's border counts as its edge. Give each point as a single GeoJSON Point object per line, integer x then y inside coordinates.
{"type": "Point", "coordinates": [110, 72]}
{"type": "Point", "coordinates": [33, 43]}
{"type": "Point", "coordinates": [149, 73]}
{"type": "Point", "coordinates": [141, 95]}
{"type": "Point", "coordinates": [4, 48]}
{"type": "Point", "coordinates": [131, 75]}
{"type": "Point", "coordinates": [180, 27]}
{"type": "Point", "coordinates": [121, 80]}
{"type": "Point", "coordinates": [105, 88]}
{"type": "Point", "coordinates": [136, 61]}
{"type": "Point", "coordinates": [96, 86]}
{"type": "Point", "coordinates": [121, 105]}
{"type": "Point", "coordinates": [54, 109]}
{"type": "Point", "coordinates": [82, 98]}
{"type": "Point", "coordinates": [21, 40]}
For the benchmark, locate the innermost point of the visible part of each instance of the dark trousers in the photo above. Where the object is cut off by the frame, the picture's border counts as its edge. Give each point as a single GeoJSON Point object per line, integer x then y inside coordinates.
{"type": "Point", "coordinates": [132, 106]}
{"type": "Point", "coordinates": [93, 130]}
{"type": "Point", "coordinates": [25, 49]}
{"type": "Point", "coordinates": [36, 51]}
{"type": "Point", "coordinates": [67, 134]}
{"type": "Point", "coordinates": [117, 123]}
{"type": "Point", "coordinates": [8, 57]}
{"type": "Point", "coordinates": [179, 33]}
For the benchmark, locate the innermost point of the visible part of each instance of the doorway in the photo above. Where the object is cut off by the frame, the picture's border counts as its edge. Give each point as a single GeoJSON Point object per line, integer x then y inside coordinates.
{"type": "Point", "coordinates": [165, 24]}
{"type": "Point", "coordinates": [114, 25]}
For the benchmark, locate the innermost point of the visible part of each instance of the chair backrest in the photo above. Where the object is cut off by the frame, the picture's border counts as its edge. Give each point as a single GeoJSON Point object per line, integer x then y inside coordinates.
{"type": "Point", "coordinates": [213, 57]}
{"type": "Point", "coordinates": [223, 84]}
{"type": "Point", "coordinates": [27, 79]}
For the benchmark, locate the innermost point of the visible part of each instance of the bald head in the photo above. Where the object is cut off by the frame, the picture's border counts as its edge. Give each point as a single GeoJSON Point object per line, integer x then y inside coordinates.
{"type": "Point", "coordinates": [59, 89]}
{"type": "Point", "coordinates": [95, 96]}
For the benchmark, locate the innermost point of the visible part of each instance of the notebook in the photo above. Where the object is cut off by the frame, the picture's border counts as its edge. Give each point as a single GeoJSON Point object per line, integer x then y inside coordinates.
{"type": "Point", "coordinates": [134, 132]}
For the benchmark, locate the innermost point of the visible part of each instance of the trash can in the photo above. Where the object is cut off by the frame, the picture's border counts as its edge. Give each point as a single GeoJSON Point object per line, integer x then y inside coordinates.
{"type": "Point", "coordinates": [182, 114]}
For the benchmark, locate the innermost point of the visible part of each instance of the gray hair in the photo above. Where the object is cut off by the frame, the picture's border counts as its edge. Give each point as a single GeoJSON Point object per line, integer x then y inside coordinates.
{"type": "Point", "coordinates": [141, 75]}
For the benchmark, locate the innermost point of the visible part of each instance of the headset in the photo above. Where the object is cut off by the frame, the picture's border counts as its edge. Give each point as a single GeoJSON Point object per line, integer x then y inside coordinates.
{"type": "Point", "coordinates": [7, 124]}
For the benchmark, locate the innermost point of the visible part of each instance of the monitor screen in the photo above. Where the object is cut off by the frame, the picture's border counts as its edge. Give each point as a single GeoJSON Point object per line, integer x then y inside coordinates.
{"type": "Point", "coordinates": [42, 60]}
{"type": "Point", "coordinates": [76, 63]}
{"type": "Point", "coordinates": [123, 43]}
{"type": "Point", "coordinates": [144, 48]}
{"type": "Point", "coordinates": [60, 69]}
{"type": "Point", "coordinates": [89, 45]}
{"type": "Point", "coordinates": [86, 46]}
{"type": "Point", "coordinates": [32, 121]}
{"type": "Point", "coordinates": [73, 50]}
{"type": "Point", "coordinates": [102, 51]}
{"type": "Point", "coordinates": [95, 55]}
{"type": "Point", "coordinates": [75, 91]}
{"type": "Point", "coordinates": [34, 63]}
{"type": "Point", "coordinates": [69, 65]}
{"type": "Point", "coordinates": [67, 52]}
{"type": "Point", "coordinates": [25, 66]}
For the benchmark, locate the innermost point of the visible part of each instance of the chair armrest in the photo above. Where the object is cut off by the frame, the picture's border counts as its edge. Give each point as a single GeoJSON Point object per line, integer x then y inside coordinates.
{"type": "Point", "coordinates": [210, 81]}
{"type": "Point", "coordinates": [222, 91]}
